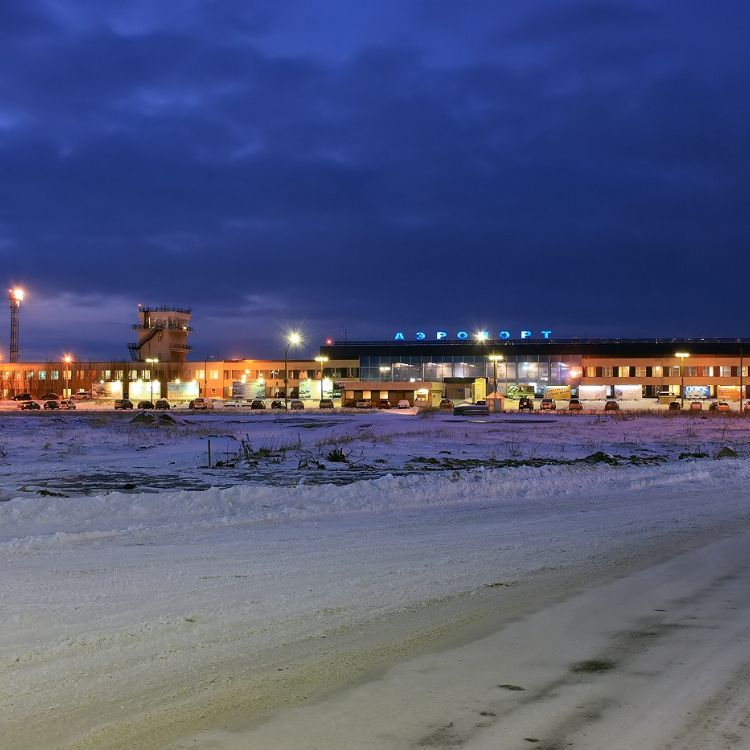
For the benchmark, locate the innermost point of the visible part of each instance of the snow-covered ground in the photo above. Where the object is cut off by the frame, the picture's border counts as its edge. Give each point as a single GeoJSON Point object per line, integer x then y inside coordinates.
{"type": "Point", "coordinates": [152, 601]}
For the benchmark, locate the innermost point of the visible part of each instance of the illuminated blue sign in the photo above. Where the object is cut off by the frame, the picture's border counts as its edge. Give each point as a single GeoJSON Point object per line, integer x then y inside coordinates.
{"type": "Point", "coordinates": [478, 336]}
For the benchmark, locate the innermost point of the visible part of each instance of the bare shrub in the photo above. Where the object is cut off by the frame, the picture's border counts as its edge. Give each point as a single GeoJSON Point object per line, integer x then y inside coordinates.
{"type": "Point", "coordinates": [337, 455]}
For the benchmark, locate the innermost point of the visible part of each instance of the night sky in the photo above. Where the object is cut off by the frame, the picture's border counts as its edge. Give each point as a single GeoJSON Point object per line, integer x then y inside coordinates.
{"type": "Point", "coordinates": [357, 168]}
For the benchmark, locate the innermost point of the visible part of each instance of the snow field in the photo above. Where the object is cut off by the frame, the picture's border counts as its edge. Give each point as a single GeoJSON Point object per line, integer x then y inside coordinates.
{"type": "Point", "coordinates": [134, 618]}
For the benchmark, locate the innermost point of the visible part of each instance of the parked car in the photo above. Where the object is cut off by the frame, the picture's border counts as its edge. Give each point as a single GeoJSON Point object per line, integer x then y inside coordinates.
{"type": "Point", "coordinates": [201, 404]}
{"type": "Point", "coordinates": [446, 403]}
{"type": "Point", "coordinates": [696, 406]}
{"type": "Point", "coordinates": [50, 397]}
{"type": "Point", "coordinates": [674, 406]}
{"type": "Point", "coordinates": [29, 406]}
{"type": "Point", "coordinates": [363, 403]}
{"type": "Point", "coordinates": [81, 396]}
{"type": "Point", "coordinates": [66, 403]}
{"type": "Point", "coordinates": [276, 404]}
{"type": "Point", "coordinates": [611, 405]}
{"type": "Point", "coordinates": [384, 403]}
{"type": "Point", "coordinates": [51, 404]}
{"type": "Point", "coordinates": [325, 403]}
{"type": "Point", "coordinates": [525, 404]}
{"type": "Point", "coordinates": [403, 404]}
{"type": "Point", "coordinates": [233, 403]}
{"type": "Point", "coordinates": [257, 403]}
{"type": "Point", "coordinates": [123, 403]}
{"type": "Point", "coordinates": [145, 405]}
{"type": "Point", "coordinates": [22, 397]}
{"type": "Point", "coordinates": [722, 406]}
{"type": "Point", "coordinates": [296, 404]}
{"type": "Point", "coordinates": [162, 403]}
{"type": "Point", "coordinates": [548, 404]}
{"type": "Point", "coordinates": [575, 405]}
{"type": "Point", "coordinates": [471, 409]}
{"type": "Point", "coordinates": [747, 407]}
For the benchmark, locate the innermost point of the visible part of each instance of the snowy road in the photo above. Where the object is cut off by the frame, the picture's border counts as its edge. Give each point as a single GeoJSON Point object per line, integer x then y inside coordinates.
{"type": "Point", "coordinates": [657, 659]}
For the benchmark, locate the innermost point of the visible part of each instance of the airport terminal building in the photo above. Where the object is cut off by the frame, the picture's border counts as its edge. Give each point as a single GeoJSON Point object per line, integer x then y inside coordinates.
{"type": "Point", "coordinates": [420, 371]}
{"type": "Point", "coordinates": [423, 370]}
{"type": "Point", "coordinates": [590, 369]}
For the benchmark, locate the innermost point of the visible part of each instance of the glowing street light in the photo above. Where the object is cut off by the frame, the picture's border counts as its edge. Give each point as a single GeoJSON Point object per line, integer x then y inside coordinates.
{"type": "Point", "coordinates": [152, 361]}
{"type": "Point", "coordinates": [682, 357]}
{"type": "Point", "coordinates": [16, 296]}
{"type": "Point", "coordinates": [322, 360]}
{"type": "Point", "coordinates": [67, 359]}
{"type": "Point", "coordinates": [495, 358]}
{"type": "Point", "coordinates": [293, 339]}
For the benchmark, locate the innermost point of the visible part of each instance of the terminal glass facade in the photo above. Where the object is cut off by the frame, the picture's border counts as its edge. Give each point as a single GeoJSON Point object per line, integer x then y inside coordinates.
{"type": "Point", "coordinates": [525, 369]}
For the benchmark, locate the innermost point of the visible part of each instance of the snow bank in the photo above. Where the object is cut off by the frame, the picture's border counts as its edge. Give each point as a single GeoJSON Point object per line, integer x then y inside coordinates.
{"type": "Point", "coordinates": [29, 522]}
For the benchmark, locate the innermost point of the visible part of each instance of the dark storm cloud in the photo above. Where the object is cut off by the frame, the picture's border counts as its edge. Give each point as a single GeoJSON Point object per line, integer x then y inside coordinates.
{"type": "Point", "coordinates": [405, 166]}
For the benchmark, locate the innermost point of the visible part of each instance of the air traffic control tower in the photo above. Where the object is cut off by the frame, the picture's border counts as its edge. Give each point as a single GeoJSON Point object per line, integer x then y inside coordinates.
{"type": "Point", "coordinates": [162, 334]}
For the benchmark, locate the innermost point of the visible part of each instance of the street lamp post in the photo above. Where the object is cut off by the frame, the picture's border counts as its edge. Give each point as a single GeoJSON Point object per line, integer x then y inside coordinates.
{"type": "Point", "coordinates": [495, 358]}
{"type": "Point", "coordinates": [291, 340]}
{"type": "Point", "coordinates": [682, 357]}
{"type": "Point", "coordinates": [152, 361]}
{"type": "Point", "coordinates": [67, 359]}
{"type": "Point", "coordinates": [742, 382]}
{"type": "Point", "coordinates": [16, 298]}
{"type": "Point", "coordinates": [322, 360]}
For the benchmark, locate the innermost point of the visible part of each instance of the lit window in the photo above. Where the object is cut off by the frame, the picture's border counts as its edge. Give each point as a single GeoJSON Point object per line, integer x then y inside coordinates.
{"type": "Point", "coordinates": [55, 374]}
{"type": "Point", "coordinates": [42, 374]}
{"type": "Point", "coordinates": [213, 374]}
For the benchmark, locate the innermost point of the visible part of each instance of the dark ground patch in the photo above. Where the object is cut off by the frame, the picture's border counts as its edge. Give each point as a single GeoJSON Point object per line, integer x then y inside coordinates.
{"type": "Point", "coordinates": [593, 666]}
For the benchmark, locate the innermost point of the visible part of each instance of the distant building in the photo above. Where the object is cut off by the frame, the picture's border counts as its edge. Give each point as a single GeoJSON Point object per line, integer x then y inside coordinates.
{"type": "Point", "coordinates": [178, 381]}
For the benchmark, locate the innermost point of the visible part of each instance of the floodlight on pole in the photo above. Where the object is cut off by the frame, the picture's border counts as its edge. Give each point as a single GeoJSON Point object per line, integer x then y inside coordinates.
{"type": "Point", "coordinates": [67, 359]}
{"type": "Point", "coordinates": [322, 360]}
{"type": "Point", "coordinates": [292, 339]}
{"type": "Point", "coordinates": [495, 358]}
{"type": "Point", "coordinates": [682, 357]}
{"type": "Point", "coordinates": [152, 361]}
{"type": "Point", "coordinates": [15, 297]}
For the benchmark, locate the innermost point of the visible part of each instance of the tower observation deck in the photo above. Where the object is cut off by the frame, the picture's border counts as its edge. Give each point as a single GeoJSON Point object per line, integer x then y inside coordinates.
{"type": "Point", "coordinates": [162, 334]}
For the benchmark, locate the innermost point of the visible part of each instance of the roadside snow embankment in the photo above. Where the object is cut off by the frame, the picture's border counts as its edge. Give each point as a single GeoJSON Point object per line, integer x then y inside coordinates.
{"type": "Point", "coordinates": [43, 521]}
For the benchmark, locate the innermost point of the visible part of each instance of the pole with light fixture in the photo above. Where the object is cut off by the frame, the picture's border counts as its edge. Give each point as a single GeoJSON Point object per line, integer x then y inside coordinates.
{"type": "Point", "coordinates": [322, 360]}
{"type": "Point", "coordinates": [495, 358]}
{"type": "Point", "coordinates": [152, 361]}
{"type": "Point", "coordinates": [15, 297]}
{"type": "Point", "coordinates": [742, 383]}
{"type": "Point", "coordinates": [682, 357]}
{"type": "Point", "coordinates": [293, 339]}
{"type": "Point", "coordinates": [67, 359]}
